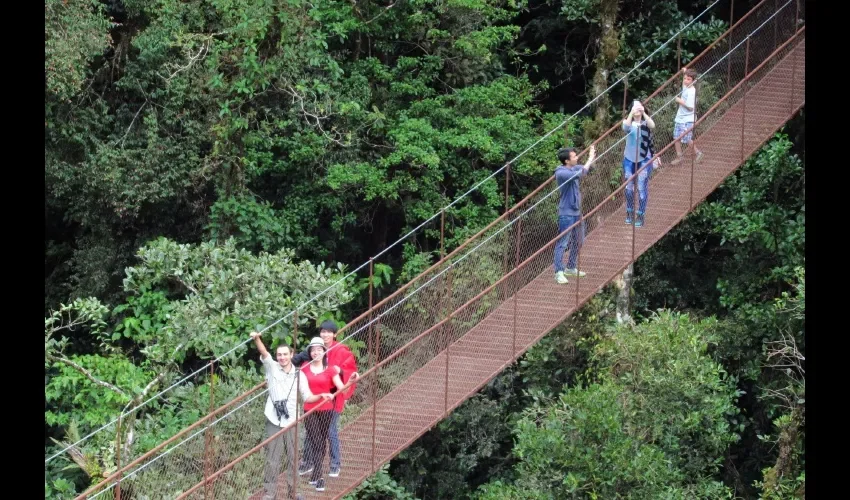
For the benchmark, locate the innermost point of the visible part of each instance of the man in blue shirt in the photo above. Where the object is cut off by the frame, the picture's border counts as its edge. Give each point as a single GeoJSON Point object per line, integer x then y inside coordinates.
{"type": "Point", "coordinates": [567, 177]}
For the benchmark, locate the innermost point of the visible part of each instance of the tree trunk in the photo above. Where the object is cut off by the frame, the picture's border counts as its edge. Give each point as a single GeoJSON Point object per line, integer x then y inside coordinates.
{"type": "Point", "coordinates": [788, 441]}
{"type": "Point", "coordinates": [608, 48]}
{"type": "Point", "coordinates": [624, 291]}
{"type": "Point", "coordinates": [607, 43]}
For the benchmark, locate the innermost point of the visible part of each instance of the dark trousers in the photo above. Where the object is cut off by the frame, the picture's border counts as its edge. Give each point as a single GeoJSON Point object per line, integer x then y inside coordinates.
{"type": "Point", "coordinates": [318, 426]}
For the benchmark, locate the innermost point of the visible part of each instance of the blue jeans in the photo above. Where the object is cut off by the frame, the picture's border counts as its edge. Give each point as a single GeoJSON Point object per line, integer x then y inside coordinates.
{"type": "Point", "coordinates": [574, 239]}
{"type": "Point", "coordinates": [333, 437]}
{"type": "Point", "coordinates": [642, 185]}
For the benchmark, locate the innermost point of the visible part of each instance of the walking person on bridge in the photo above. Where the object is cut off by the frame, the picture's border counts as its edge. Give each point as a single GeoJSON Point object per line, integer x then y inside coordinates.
{"type": "Point", "coordinates": [685, 115]}
{"type": "Point", "coordinates": [638, 127]}
{"type": "Point", "coordinates": [567, 176]}
{"type": "Point", "coordinates": [280, 411]}
{"type": "Point", "coordinates": [340, 355]}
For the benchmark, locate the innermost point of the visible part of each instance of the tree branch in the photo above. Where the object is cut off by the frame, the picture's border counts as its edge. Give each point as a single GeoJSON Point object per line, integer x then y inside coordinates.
{"type": "Point", "coordinates": [88, 374]}
{"type": "Point", "coordinates": [187, 285]}
{"type": "Point", "coordinates": [159, 378]}
{"type": "Point", "coordinates": [132, 122]}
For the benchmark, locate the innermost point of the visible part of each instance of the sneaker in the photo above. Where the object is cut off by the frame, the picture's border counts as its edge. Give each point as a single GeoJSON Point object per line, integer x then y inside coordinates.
{"type": "Point", "coordinates": [575, 272]}
{"type": "Point", "coordinates": [677, 161]}
{"type": "Point", "coordinates": [699, 156]}
{"type": "Point", "coordinates": [628, 220]}
{"type": "Point", "coordinates": [561, 278]}
{"type": "Point", "coordinates": [304, 469]}
{"type": "Point", "coordinates": [334, 472]}
{"type": "Point", "coordinates": [320, 485]}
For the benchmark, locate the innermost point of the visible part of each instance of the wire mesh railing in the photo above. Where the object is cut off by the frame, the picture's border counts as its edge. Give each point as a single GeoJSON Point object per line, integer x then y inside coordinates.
{"type": "Point", "coordinates": [414, 329]}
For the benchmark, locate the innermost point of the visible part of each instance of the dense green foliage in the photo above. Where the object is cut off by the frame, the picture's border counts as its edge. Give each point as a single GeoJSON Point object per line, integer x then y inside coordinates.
{"type": "Point", "coordinates": [210, 164]}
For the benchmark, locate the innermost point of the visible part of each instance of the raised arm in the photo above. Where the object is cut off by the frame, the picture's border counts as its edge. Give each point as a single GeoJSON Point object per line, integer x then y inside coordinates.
{"type": "Point", "coordinates": [264, 353]}
{"type": "Point", "coordinates": [590, 157]}
{"type": "Point", "coordinates": [627, 123]}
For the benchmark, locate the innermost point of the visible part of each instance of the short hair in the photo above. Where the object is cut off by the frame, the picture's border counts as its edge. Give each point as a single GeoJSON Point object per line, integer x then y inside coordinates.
{"type": "Point", "coordinates": [564, 154]}
{"type": "Point", "coordinates": [691, 73]}
{"type": "Point", "coordinates": [329, 325]}
{"type": "Point", "coordinates": [283, 345]}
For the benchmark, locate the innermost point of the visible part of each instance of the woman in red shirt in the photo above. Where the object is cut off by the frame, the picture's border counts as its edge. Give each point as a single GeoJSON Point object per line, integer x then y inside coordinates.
{"type": "Point", "coordinates": [321, 380]}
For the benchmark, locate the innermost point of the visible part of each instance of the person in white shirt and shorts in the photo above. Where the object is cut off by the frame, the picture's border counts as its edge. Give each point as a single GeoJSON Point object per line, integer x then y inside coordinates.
{"type": "Point", "coordinates": [685, 115]}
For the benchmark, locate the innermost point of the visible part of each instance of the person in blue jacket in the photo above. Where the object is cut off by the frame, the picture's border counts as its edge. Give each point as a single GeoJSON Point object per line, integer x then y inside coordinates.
{"type": "Point", "coordinates": [567, 176]}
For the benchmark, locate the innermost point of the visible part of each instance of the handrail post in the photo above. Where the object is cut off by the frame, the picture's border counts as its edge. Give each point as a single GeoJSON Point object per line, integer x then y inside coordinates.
{"type": "Point", "coordinates": [442, 235]}
{"type": "Point", "coordinates": [507, 185]}
{"type": "Point", "coordinates": [506, 254]}
{"type": "Point", "coordinates": [295, 459]}
{"type": "Point", "coordinates": [579, 241]}
{"type": "Point", "coordinates": [797, 16]}
{"type": "Point", "coordinates": [729, 54]}
{"type": "Point", "coordinates": [516, 282]}
{"type": "Point", "coordinates": [793, 76]}
{"type": "Point", "coordinates": [693, 163]}
{"type": "Point", "coordinates": [372, 354]}
{"type": "Point", "coordinates": [679, 52]}
{"type": "Point", "coordinates": [371, 279]}
{"type": "Point", "coordinates": [625, 93]}
{"type": "Point", "coordinates": [775, 24]}
{"type": "Point", "coordinates": [375, 387]}
{"type": "Point", "coordinates": [744, 99]}
{"type": "Point", "coordinates": [208, 438]}
{"type": "Point", "coordinates": [118, 458]}
{"type": "Point", "coordinates": [635, 187]}
{"type": "Point", "coordinates": [694, 145]}
{"type": "Point", "coordinates": [446, 331]}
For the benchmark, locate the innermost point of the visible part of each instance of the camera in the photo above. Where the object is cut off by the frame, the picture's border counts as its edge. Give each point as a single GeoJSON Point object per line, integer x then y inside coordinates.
{"type": "Point", "coordinates": [281, 410]}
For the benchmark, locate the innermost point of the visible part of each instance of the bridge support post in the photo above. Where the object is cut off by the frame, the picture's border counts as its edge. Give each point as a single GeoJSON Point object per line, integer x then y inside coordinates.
{"type": "Point", "coordinates": [731, 40]}
{"type": "Point", "coordinates": [208, 439]}
{"type": "Point", "coordinates": [793, 76]}
{"type": "Point", "coordinates": [516, 281]}
{"type": "Point", "coordinates": [678, 53]}
{"type": "Point", "coordinates": [578, 258]}
{"type": "Point", "coordinates": [625, 93]}
{"type": "Point", "coordinates": [118, 458]}
{"type": "Point", "coordinates": [296, 460]}
{"type": "Point", "coordinates": [635, 186]}
{"type": "Point", "coordinates": [744, 100]}
{"type": "Point", "coordinates": [446, 341]}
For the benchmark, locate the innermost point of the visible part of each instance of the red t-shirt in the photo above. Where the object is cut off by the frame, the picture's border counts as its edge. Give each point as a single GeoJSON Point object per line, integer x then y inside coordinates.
{"type": "Point", "coordinates": [340, 355]}
{"type": "Point", "coordinates": [320, 383]}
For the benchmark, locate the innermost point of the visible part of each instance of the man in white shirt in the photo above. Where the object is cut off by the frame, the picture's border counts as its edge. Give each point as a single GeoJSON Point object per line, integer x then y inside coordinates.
{"type": "Point", "coordinates": [280, 411]}
{"type": "Point", "coordinates": [685, 115]}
